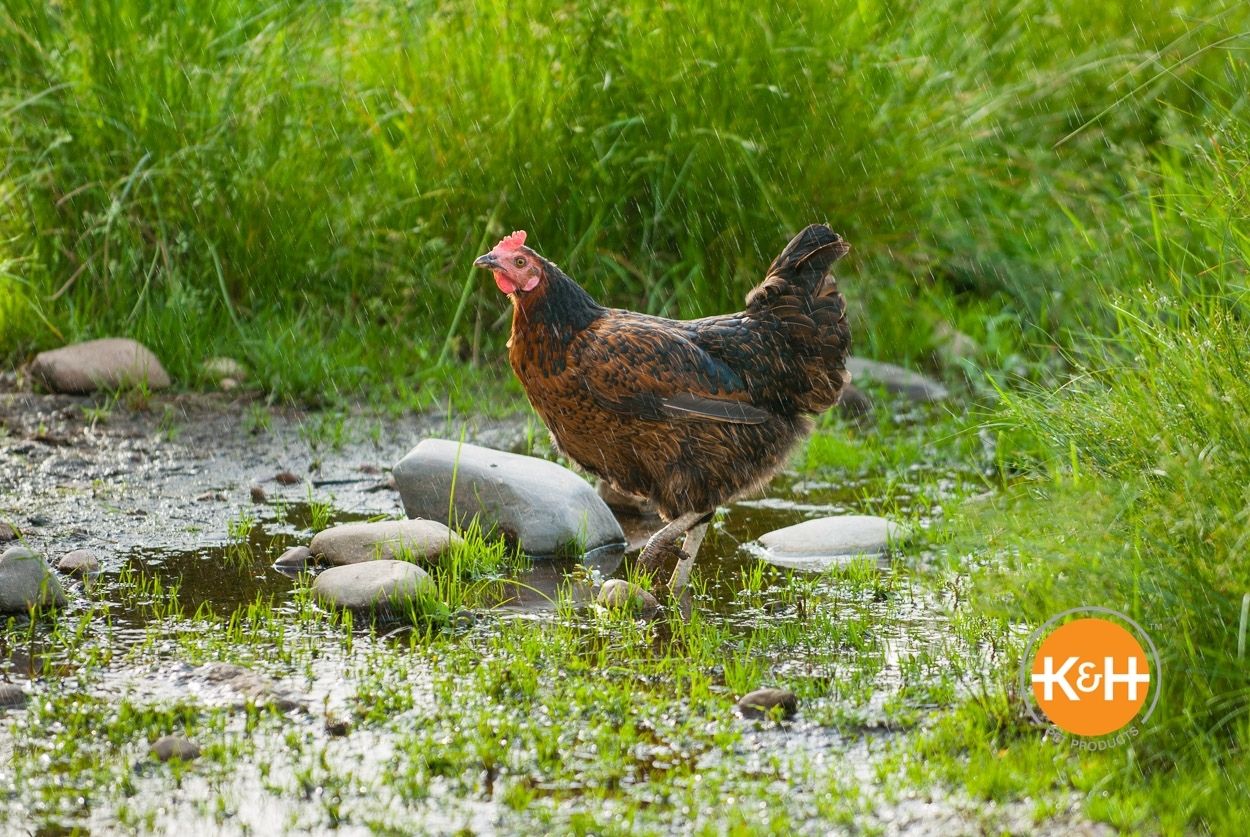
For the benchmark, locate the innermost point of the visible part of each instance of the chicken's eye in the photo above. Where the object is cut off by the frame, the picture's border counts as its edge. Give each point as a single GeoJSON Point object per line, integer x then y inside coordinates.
{"type": "Point", "coordinates": [519, 261]}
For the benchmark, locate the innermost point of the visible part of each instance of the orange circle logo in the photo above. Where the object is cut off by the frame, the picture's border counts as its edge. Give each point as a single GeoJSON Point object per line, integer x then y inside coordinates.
{"type": "Point", "coordinates": [1091, 676]}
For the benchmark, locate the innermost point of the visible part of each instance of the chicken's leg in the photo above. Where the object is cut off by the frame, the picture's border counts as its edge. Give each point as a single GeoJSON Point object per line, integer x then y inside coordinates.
{"type": "Point", "coordinates": [690, 549]}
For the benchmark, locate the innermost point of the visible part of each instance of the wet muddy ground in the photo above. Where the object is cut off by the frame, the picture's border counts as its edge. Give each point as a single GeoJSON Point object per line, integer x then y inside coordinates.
{"type": "Point", "coordinates": [540, 713]}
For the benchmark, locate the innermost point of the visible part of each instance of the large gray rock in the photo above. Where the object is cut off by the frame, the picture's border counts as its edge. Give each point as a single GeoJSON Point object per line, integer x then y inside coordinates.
{"type": "Point", "coordinates": [27, 582]}
{"type": "Point", "coordinates": [896, 379]}
{"type": "Point", "coordinates": [99, 365]}
{"type": "Point", "coordinates": [352, 543]}
{"type": "Point", "coordinates": [538, 505]}
{"type": "Point", "coordinates": [830, 541]}
{"type": "Point", "coordinates": [383, 587]}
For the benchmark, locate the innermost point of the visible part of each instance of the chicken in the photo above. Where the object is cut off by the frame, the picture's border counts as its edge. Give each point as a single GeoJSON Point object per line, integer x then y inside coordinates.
{"type": "Point", "coordinates": [686, 413]}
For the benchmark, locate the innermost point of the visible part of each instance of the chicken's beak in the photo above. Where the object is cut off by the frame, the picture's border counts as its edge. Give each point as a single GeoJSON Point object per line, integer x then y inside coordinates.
{"type": "Point", "coordinates": [487, 262]}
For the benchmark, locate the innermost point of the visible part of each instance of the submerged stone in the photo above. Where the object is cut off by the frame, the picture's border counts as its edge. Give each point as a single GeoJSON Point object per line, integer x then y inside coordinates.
{"type": "Point", "coordinates": [896, 379]}
{"type": "Point", "coordinates": [248, 684]}
{"type": "Point", "coordinates": [351, 543]}
{"type": "Point", "coordinates": [99, 365]}
{"type": "Point", "coordinates": [831, 541]}
{"type": "Point", "coordinates": [27, 582]}
{"type": "Point", "coordinates": [383, 587]}
{"type": "Point", "coordinates": [543, 508]}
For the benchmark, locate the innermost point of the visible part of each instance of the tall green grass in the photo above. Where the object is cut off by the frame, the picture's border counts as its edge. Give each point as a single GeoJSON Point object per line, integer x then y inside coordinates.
{"type": "Point", "coordinates": [304, 185]}
{"type": "Point", "coordinates": [1141, 495]}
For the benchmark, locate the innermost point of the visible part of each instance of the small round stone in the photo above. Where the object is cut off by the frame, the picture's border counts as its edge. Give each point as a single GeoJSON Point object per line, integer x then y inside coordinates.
{"type": "Point", "coordinates": [767, 703]}
{"type": "Point", "coordinates": [286, 478]}
{"type": "Point", "coordinates": [12, 696]}
{"type": "Point", "coordinates": [170, 747]}
{"type": "Point", "coordinates": [78, 564]}
{"type": "Point", "coordinates": [619, 594]}
{"type": "Point", "coordinates": [259, 497]}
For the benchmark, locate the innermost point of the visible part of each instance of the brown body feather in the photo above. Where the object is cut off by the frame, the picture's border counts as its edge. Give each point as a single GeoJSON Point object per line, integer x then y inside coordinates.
{"type": "Point", "coordinates": [693, 413]}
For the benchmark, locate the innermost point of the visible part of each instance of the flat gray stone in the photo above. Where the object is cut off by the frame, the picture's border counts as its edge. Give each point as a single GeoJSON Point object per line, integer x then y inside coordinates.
{"type": "Point", "coordinates": [383, 587]}
{"type": "Point", "coordinates": [27, 582]}
{"type": "Point", "coordinates": [831, 541]}
{"type": "Point", "coordinates": [541, 507]}
{"type": "Point", "coordinates": [175, 747]}
{"type": "Point", "coordinates": [351, 543]}
{"type": "Point", "coordinates": [78, 564]}
{"type": "Point", "coordinates": [99, 365]}
{"type": "Point", "coordinates": [896, 379]}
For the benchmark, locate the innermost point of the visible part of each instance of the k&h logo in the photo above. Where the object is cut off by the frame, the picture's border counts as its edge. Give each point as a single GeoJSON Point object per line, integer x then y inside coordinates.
{"type": "Point", "coordinates": [1090, 676]}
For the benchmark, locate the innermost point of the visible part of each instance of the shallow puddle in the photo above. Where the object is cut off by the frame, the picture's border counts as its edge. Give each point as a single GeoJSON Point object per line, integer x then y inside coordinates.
{"type": "Point", "coordinates": [533, 666]}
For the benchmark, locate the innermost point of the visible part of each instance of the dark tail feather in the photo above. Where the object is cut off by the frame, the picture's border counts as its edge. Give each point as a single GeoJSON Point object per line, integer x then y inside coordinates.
{"type": "Point", "coordinates": [808, 256]}
{"type": "Point", "coordinates": [802, 267]}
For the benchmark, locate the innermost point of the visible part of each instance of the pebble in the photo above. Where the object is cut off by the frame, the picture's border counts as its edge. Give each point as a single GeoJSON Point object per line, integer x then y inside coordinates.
{"type": "Point", "coordinates": [12, 696]}
{"type": "Point", "coordinates": [286, 478]}
{"type": "Point", "coordinates": [855, 403]}
{"type": "Point", "coordinates": [767, 703]}
{"type": "Point", "coordinates": [381, 587]}
{"type": "Point", "coordinates": [106, 364]}
{"type": "Point", "coordinates": [619, 594]}
{"type": "Point", "coordinates": [258, 494]}
{"type": "Point", "coordinates": [953, 344]}
{"type": "Point", "coordinates": [169, 747]}
{"type": "Point", "coordinates": [8, 533]}
{"type": "Point", "coordinates": [27, 582]}
{"type": "Point", "coordinates": [896, 379]}
{"type": "Point", "coordinates": [219, 368]}
{"type": "Point", "coordinates": [78, 564]}
{"type": "Point", "coordinates": [542, 507]}
{"type": "Point", "coordinates": [831, 541]}
{"type": "Point", "coordinates": [351, 543]}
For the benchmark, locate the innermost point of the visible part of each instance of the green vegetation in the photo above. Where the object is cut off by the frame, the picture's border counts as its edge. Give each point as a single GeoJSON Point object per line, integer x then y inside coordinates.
{"type": "Point", "coordinates": [1137, 499]}
{"type": "Point", "coordinates": [303, 185]}
{"type": "Point", "coordinates": [571, 719]}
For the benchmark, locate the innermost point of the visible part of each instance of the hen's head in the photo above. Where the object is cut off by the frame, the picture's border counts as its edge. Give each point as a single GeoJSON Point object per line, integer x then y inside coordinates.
{"type": "Point", "coordinates": [517, 268]}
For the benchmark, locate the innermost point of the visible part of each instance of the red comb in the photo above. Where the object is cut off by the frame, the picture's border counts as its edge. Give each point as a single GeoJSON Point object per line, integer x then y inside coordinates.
{"type": "Point", "coordinates": [512, 242]}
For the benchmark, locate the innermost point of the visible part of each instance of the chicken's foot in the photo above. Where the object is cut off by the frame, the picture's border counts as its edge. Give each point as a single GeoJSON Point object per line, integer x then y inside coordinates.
{"type": "Point", "coordinates": [661, 543]}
